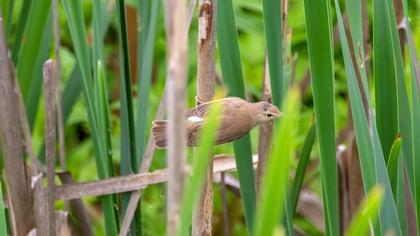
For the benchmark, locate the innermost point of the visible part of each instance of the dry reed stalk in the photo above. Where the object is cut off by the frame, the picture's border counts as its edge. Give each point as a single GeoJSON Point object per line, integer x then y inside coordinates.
{"type": "Point", "coordinates": [206, 74]}
{"type": "Point", "coordinates": [40, 205]}
{"type": "Point", "coordinates": [266, 129]}
{"type": "Point", "coordinates": [50, 130]}
{"type": "Point", "coordinates": [177, 79]}
{"type": "Point", "coordinates": [128, 183]}
{"type": "Point", "coordinates": [112, 185]}
{"type": "Point", "coordinates": [18, 192]}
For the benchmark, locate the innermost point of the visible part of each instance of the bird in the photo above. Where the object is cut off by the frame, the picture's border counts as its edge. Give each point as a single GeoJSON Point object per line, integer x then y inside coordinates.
{"type": "Point", "coordinates": [238, 117]}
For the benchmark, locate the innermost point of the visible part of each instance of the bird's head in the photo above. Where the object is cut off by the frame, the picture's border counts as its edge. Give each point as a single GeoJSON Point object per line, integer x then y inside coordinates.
{"type": "Point", "coordinates": [267, 112]}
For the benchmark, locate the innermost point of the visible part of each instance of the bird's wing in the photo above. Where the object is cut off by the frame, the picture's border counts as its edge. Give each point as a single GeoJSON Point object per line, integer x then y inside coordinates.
{"type": "Point", "coordinates": [227, 103]}
{"type": "Point", "coordinates": [199, 110]}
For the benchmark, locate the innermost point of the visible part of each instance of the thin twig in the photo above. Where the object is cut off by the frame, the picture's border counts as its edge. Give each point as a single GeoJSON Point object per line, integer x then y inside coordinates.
{"type": "Point", "coordinates": [50, 130]}
{"type": "Point", "coordinates": [206, 74]}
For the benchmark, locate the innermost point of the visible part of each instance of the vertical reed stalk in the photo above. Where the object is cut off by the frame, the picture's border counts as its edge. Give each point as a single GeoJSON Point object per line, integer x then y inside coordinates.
{"type": "Point", "coordinates": [20, 204]}
{"type": "Point", "coordinates": [177, 75]}
{"type": "Point", "coordinates": [206, 75]}
{"type": "Point", "coordinates": [50, 141]}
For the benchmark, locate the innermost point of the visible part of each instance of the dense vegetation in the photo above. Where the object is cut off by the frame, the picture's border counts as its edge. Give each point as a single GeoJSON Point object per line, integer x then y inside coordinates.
{"type": "Point", "coordinates": [345, 74]}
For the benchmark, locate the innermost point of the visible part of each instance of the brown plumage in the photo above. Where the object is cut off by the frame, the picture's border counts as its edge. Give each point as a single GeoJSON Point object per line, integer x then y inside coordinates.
{"type": "Point", "coordinates": [238, 118]}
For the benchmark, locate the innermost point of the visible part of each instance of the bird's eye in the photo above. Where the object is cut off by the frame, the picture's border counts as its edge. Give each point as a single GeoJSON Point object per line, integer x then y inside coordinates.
{"type": "Point", "coordinates": [269, 115]}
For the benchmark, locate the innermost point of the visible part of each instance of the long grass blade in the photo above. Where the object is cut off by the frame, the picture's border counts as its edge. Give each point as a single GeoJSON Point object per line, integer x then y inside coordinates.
{"type": "Point", "coordinates": [129, 159]}
{"type": "Point", "coordinates": [272, 10]}
{"type": "Point", "coordinates": [34, 93]}
{"type": "Point", "coordinates": [146, 35]}
{"type": "Point", "coordinates": [20, 29]}
{"type": "Point", "coordinates": [415, 122]}
{"type": "Point", "coordinates": [36, 23]}
{"type": "Point", "coordinates": [232, 73]}
{"type": "Point", "coordinates": [274, 184]}
{"type": "Point", "coordinates": [320, 48]}
{"type": "Point", "coordinates": [415, 111]}
{"type": "Point", "coordinates": [385, 73]}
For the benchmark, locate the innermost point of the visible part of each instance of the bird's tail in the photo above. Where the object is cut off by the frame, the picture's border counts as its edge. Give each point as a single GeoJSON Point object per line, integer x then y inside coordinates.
{"type": "Point", "coordinates": [159, 133]}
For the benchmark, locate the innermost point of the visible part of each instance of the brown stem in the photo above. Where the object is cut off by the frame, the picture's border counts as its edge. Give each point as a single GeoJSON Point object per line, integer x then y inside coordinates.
{"type": "Point", "coordinates": [50, 130]}
{"type": "Point", "coordinates": [206, 74]}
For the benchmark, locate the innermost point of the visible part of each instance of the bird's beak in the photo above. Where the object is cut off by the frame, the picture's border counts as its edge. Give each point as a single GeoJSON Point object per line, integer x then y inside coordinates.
{"type": "Point", "coordinates": [276, 112]}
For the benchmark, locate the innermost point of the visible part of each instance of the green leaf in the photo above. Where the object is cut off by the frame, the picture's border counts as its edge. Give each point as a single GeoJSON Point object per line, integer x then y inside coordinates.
{"type": "Point", "coordinates": [320, 49]}
{"type": "Point", "coordinates": [384, 69]}
{"type": "Point", "coordinates": [146, 36]}
{"type": "Point", "coordinates": [374, 170]}
{"type": "Point", "coordinates": [36, 24]}
{"type": "Point", "coordinates": [34, 93]}
{"type": "Point", "coordinates": [195, 182]}
{"type": "Point", "coordinates": [230, 61]}
{"type": "Point", "coordinates": [274, 182]}
{"type": "Point", "coordinates": [20, 29]}
{"type": "Point", "coordinates": [415, 113]}
{"type": "Point", "coordinates": [272, 10]}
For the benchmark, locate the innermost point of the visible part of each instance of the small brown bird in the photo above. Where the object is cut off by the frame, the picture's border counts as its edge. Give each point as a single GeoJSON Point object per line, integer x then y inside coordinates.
{"type": "Point", "coordinates": [238, 118]}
